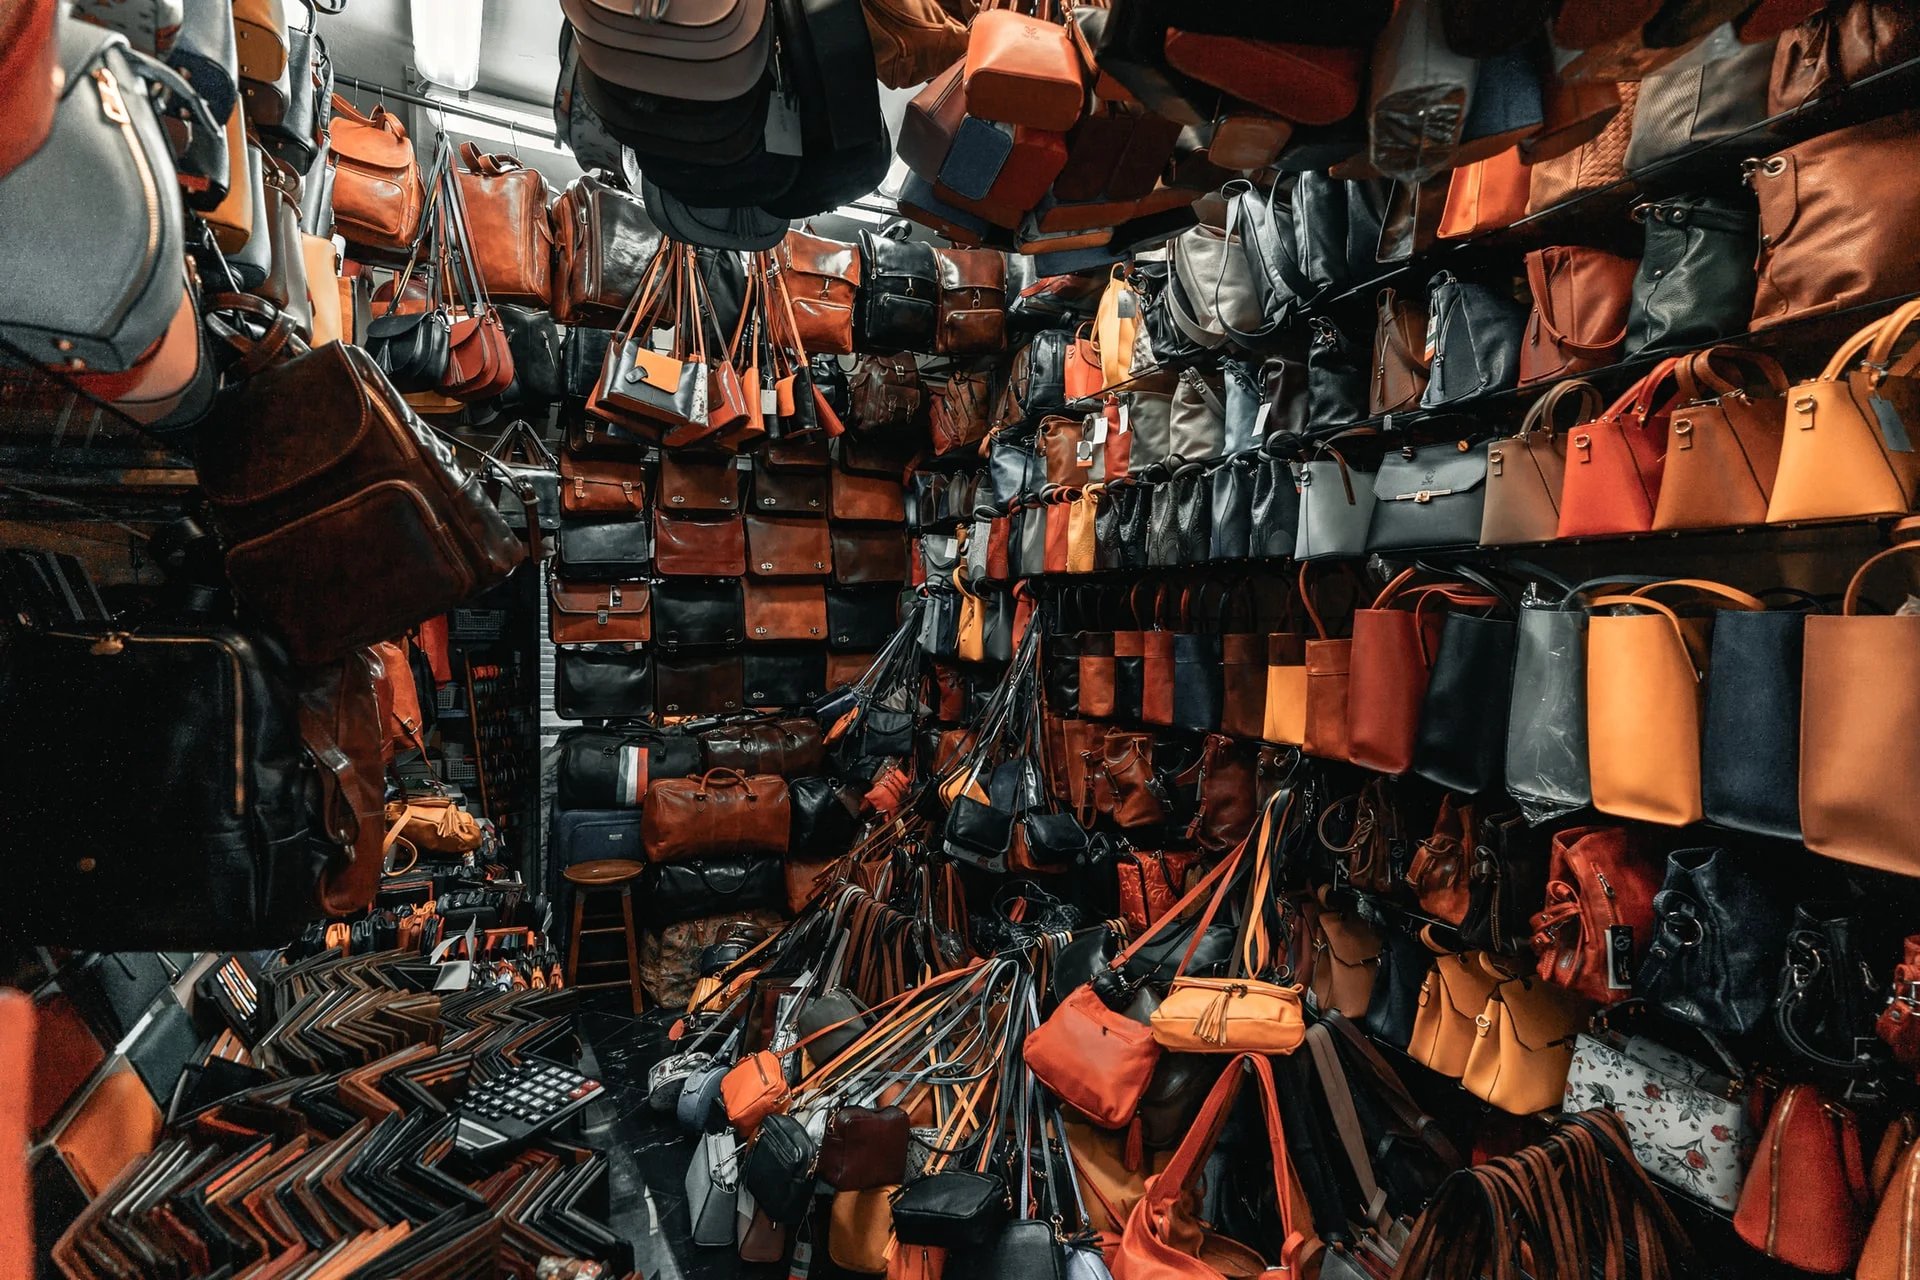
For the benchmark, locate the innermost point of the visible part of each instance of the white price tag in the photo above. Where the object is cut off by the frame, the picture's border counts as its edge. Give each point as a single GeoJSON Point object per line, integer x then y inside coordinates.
{"type": "Point", "coordinates": [1125, 423]}
{"type": "Point", "coordinates": [1260, 419]}
{"type": "Point", "coordinates": [769, 402]}
{"type": "Point", "coordinates": [1099, 429]}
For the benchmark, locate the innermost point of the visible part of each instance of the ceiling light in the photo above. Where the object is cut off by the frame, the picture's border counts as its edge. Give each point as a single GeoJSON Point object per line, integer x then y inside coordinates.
{"type": "Point", "coordinates": [446, 41]}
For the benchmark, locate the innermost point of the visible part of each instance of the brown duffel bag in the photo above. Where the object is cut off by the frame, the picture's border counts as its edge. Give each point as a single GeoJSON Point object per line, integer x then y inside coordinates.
{"type": "Point", "coordinates": [721, 811]}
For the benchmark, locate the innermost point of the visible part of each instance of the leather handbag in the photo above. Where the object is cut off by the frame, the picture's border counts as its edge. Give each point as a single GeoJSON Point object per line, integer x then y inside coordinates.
{"type": "Point", "coordinates": [866, 554]}
{"type": "Point", "coordinates": [1846, 451]}
{"type": "Point", "coordinates": [1144, 434]}
{"type": "Point", "coordinates": [1526, 472]}
{"type": "Point", "coordinates": [1715, 91]}
{"type": "Point", "coordinates": [1462, 744]}
{"type": "Point", "coordinates": [1036, 380]}
{"type": "Point", "coordinates": [1718, 942]}
{"type": "Point", "coordinates": [1276, 509]}
{"type": "Point", "coordinates": [1419, 96]}
{"type": "Point", "coordinates": [1723, 442]}
{"type": "Point", "coordinates": [861, 618]}
{"type": "Point", "coordinates": [1400, 365]}
{"type": "Point", "coordinates": [1591, 166]}
{"type": "Point", "coordinates": [1615, 462]}
{"type": "Point", "coordinates": [864, 1148]}
{"type": "Point", "coordinates": [1837, 46]}
{"type": "Point", "coordinates": [972, 303]}
{"type": "Point", "coordinates": [611, 552]}
{"type": "Point", "coordinates": [789, 746]}
{"type": "Point", "coordinates": [594, 613]}
{"type": "Point", "coordinates": [1022, 69]}
{"type": "Point", "coordinates": [1440, 867]}
{"type": "Point", "coordinates": [378, 195]}
{"type": "Point", "coordinates": [913, 41]}
{"type": "Point", "coordinates": [953, 1209]}
{"type": "Point", "coordinates": [1750, 745]}
{"type": "Point", "coordinates": [778, 1169]}
{"type": "Point", "coordinates": [695, 613]}
{"type": "Point", "coordinates": [1432, 496]}
{"type": "Point", "coordinates": [1392, 652]}
{"type": "Point", "coordinates": [723, 811]}
{"type": "Point", "coordinates": [596, 487]}
{"type": "Point", "coordinates": [691, 483]}
{"type": "Point", "coordinates": [1197, 421]}
{"type": "Point", "coordinates": [897, 308]}
{"type": "Point", "coordinates": [1806, 1199]}
{"type": "Point", "coordinates": [1115, 326]}
{"type": "Point", "coordinates": [1579, 317]}
{"type": "Point", "coordinates": [1336, 384]}
{"type": "Point", "coordinates": [1890, 1240]}
{"type": "Point", "coordinates": [1598, 918]}
{"type": "Point", "coordinates": [787, 547]}
{"type": "Point", "coordinates": [1523, 1048]}
{"type": "Point", "coordinates": [604, 241]}
{"type": "Point", "coordinates": [1326, 688]}
{"type": "Point", "coordinates": [784, 678]}
{"type": "Point", "coordinates": [702, 887]}
{"type": "Point", "coordinates": [1819, 255]}
{"type": "Point", "coordinates": [1476, 341]}
{"type": "Point", "coordinates": [1644, 702]}
{"type": "Point", "coordinates": [611, 683]}
{"type": "Point", "coordinates": [1695, 280]}
{"type": "Point", "coordinates": [368, 475]}
{"type": "Point", "coordinates": [1268, 399]}
{"type": "Point", "coordinates": [1452, 997]}
{"type": "Point", "coordinates": [1230, 484]}
{"type": "Point", "coordinates": [823, 280]}
{"type": "Point", "coordinates": [1484, 196]}
{"type": "Point", "coordinates": [1336, 503]}
{"type": "Point", "coordinates": [1546, 765]}
{"type": "Point", "coordinates": [1683, 1126]}
{"type": "Point", "coordinates": [957, 412]}
{"type": "Point", "coordinates": [1850, 693]}
{"type": "Point", "coordinates": [1213, 293]}
{"type": "Point", "coordinates": [699, 546]}
{"type": "Point", "coordinates": [506, 208]}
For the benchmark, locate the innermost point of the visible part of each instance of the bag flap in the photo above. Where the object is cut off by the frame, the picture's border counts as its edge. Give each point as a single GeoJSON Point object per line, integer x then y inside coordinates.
{"type": "Point", "coordinates": [1541, 1014]}
{"type": "Point", "coordinates": [619, 599]}
{"type": "Point", "coordinates": [657, 369]}
{"type": "Point", "coordinates": [1437, 471]}
{"type": "Point", "coordinates": [1352, 940]}
{"type": "Point", "coordinates": [1464, 987]}
{"type": "Point", "coordinates": [814, 256]}
{"type": "Point", "coordinates": [971, 269]}
{"type": "Point", "coordinates": [371, 144]}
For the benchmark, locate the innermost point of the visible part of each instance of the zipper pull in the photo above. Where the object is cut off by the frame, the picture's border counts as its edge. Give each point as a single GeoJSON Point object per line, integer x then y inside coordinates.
{"type": "Point", "coordinates": [1604, 886]}
{"type": "Point", "coordinates": [111, 102]}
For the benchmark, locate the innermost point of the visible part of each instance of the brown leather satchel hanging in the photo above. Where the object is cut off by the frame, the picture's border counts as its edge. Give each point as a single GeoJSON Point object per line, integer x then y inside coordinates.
{"type": "Point", "coordinates": [823, 278]}
{"type": "Point", "coordinates": [1579, 317]}
{"type": "Point", "coordinates": [1439, 872]}
{"type": "Point", "coordinates": [972, 311]}
{"type": "Point", "coordinates": [378, 194]}
{"type": "Point", "coordinates": [1588, 167]}
{"type": "Point", "coordinates": [721, 811]}
{"type": "Point", "coordinates": [1723, 441]}
{"type": "Point", "coordinates": [591, 486]}
{"type": "Point", "coordinates": [959, 411]}
{"type": "Point", "coordinates": [1837, 46]}
{"type": "Point", "coordinates": [598, 612]}
{"type": "Point", "coordinates": [914, 40]}
{"type": "Point", "coordinates": [691, 482]}
{"type": "Point", "coordinates": [659, 395]}
{"type": "Point", "coordinates": [603, 244]}
{"type": "Point", "coordinates": [788, 547]}
{"type": "Point", "coordinates": [506, 205]}
{"type": "Point", "coordinates": [699, 546]}
{"type": "Point", "coordinates": [786, 610]}
{"type": "Point", "coordinates": [1400, 362]}
{"type": "Point", "coordinates": [479, 360]}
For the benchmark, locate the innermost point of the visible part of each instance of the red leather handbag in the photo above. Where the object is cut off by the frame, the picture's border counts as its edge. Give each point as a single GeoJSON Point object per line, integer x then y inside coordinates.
{"type": "Point", "coordinates": [1309, 84]}
{"type": "Point", "coordinates": [1394, 643]}
{"type": "Point", "coordinates": [1600, 887]}
{"type": "Point", "coordinates": [1083, 376]}
{"type": "Point", "coordinates": [1157, 665]}
{"type": "Point", "coordinates": [1806, 1198]}
{"type": "Point", "coordinates": [1328, 683]}
{"type": "Point", "coordinates": [29, 79]}
{"type": "Point", "coordinates": [1614, 462]}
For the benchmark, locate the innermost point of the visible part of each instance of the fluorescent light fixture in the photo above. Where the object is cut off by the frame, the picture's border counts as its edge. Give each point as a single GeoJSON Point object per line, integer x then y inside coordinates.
{"type": "Point", "coordinates": [446, 41]}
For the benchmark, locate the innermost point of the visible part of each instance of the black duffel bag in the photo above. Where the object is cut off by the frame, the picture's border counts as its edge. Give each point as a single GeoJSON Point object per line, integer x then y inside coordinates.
{"type": "Point", "coordinates": [610, 768]}
{"type": "Point", "coordinates": [725, 884]}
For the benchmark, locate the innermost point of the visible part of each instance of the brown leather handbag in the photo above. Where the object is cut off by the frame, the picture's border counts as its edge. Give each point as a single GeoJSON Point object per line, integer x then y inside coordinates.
{"type": "Point", "coordinates": [1324, 730]}
{"type": "Point", "coordinates": [1842, 43]}
{"type": "Point", "coordinates": [1059, 443]}
{"type": "Point", "coordinates": [1841, 455]}
{"type": "Point", "coordinates": [1022, 69]}
{"type": "Point", "coordinates": [593, 486]}
{"type": "Point", "coordinates": [1806, 1197]}
{"type": "Point", "coordinates": [699, 546]}
{"type": "Point", "coordinates": [1121, 782]}
{"type": "Point", "coordinates": [378, 194]}
{"type": "Point", "coordinates": [875, 499]}
{"type": "Point", "coordinates": [1452, 997]}
{"type": "Point", "coordinates": [1600, 887]}
{"type": "Point", "coordinates": [785, 610]}
{"type": "Point", "coordinates": [721, 811]}
{"type": "Point", "coordinates": [788, 547]}
{"type": "Point", "coordinates": [1485, 196]}
{"type": "Point", "coordinates": [1526, 472]}
{"type": "Point", "coordinates": [691, 482]}
{"type": "Point", "coordinates": [598, 612]}
{"type": "Point", "coordinates": [1441, 866]}
{"type": "Point", "coordinates": [1243, 661]}
{"type": "Point", "coordinates": [958, 411]}
{"type": "Point", "coordinates": [972, 303]}
{"type": "Point", "coordinates": [1590, 166]}
{"type": "Point", "coordinates": [914, 40]}
{"type": "Point", "coordinates": [1835, 220]}
{"type": "Point", "coordinates": [506, 207]}
{"type": "Point", "coordinates": [1346, 960]}
{"type": "Point", "coordinates": [603, 243]}
{"type": "Point", "coordinates": [1858, 696]}
{"type": "Point", "coordinates": [823, 278]}
{"type": "Point", "coordinates": [869, 553]}
{"type": "Point", "coordinates": [1400, 362]}
{"type": "Point", "coordinates": [1389, 661]}
{"type": "Point", "coordinates": [1285, 720]}
{"type": "Point", "coordinates": [1893, 1242]}
{"type": "Point", "coordinates": [1723, 441]}
{"type": "Point", "coordinates": [1579, 317]}
{"type": "Point", "coordinates": [1523, 1045]}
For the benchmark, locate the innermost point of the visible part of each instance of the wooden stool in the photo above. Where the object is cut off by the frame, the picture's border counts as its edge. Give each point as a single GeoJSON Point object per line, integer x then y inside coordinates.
{"type": "Point", "coordinates": [609, 875]}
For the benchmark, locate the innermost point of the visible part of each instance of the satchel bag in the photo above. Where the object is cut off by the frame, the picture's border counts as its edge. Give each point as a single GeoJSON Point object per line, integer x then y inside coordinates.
{"type": "Point", "coordinates": [506, 208]}
{"type": "Point", "coordinates": [690, 613]}
{"type": "Point", "coordinates": [1614, 463]}
{"type": "Point", "coordinates": [1579, 317]}
{"type": "Point", "coordinates": [1452, 996]}
{"type": "Point", "coordinates": [1715, 91]}
{"type": "Point", "coordinates": [710, 886]}
{"type": "Point", "coordinates": [698, 684]}
{"type": "Point", "coordinates": [1475, 334]}
{"type": "Point", "coordinates": [1598, 917]}
{"type": "Point", "coordinates": [787, 547]}
{"type": "Point", "coordinates": [1197, 420]}
{"type": "Point", "coordinates": [1847, 448]}
{"type": "Point", "coordinates": [1644, 673]}
{"type": "Point", "coordinates": [602, 683]}
{"type": "Point", "coordinates": [593, 613]}
{"type": "Point", "coordinates": [1432, 496]}
{"type": "Point", "coordinates": [972, 306]}
{"type": "Point", "coordinates": [1526, 472]}
{"type": "Point", "coordinates": [611, 552]}
{"type": "Point", "coordinates": [378, 195]}
{"type": "Point", "coordinates": [823, 280]}
{"type": "Point", "coordinates": [1805, 1200]}
{"type": "Point", "coordinates": [1718, 943]}
{"type": "Point", "coordinates": [1857, 688]}
{"type": "Point", "coordinates": [1821, 254]}
{"type": "Point", "coordinates": [1399, 360]}
{"type": "Point", "coordinates": [1684, 1127]}
{"type": "Point", "coordinates": [1213, 292]}
{"type": "Point", "coordinates": [1023, 70]}
{"type": "Point", "coordinates": [1391, 656]}
{"type": "Point", "coordinates": [699, 547]}
{"type": "Point", "coordinates": [897, 308]}
{"type": "Point", "coordinates": [1835, 47]}
{"type": "Point", "coordinates": [1523, 1048]}
{"type": "Point", "coordinates": [1723, 442]}
{"type": "Point", "coordinates": [957, 412]}
{"type": "Point", "coordinates": [1695, 280]}
{"type": "Point", "coordinates": [590, 487]}
{"type": "Point", "coordinates": [721, 811]}
{"type": "Point", "coordinates": [604, 244]}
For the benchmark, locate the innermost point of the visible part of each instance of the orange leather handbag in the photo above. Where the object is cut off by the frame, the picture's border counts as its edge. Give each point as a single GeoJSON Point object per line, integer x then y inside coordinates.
{"type": "Point", "coordinates": [1614, 462]}
{"type": "Point", "coordinates": [1893, 1243]}
{"type": "Point", "coordinates": [1859, 703]}
{"type": "Point", "coordinates": [1723, 442]}
{"type": "Point", "coordinates": [1848, 448]}
{"type": "Point", "coordinates": [1526, 472]}
{"type": "Point", "coordinates": [1392, 656]}
{"type": "Point", "coordinates": [506, 205]}
{"type": "Point", "coordinates": [1485, 196]}
{"type": "Point", "coordinates": [1023, 69]}
{"type": "Point", "coordinates": [1324, 724]}
{"type": "Point", "coordinates": [378, 195]}
{"type": "Point", "coordinates": [1806, 1198]}
{"type": "Point", "coordinates": [1644, 696]}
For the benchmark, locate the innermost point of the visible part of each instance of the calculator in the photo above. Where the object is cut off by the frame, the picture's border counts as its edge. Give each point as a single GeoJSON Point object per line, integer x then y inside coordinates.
{"type": "Point", "coordinates": [505, 1111]}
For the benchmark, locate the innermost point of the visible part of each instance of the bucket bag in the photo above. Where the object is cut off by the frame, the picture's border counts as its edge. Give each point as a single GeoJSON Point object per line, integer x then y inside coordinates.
{"type": "Point", "coordinates": [1393, 647]}
{"type": "Point", "coordinates": [378, 195]}
{"type": "Point", "coordinates": [1579, 317]}
{"type": "Point", "coordinates": [1597, 921]}
{"type": "Point", "coordinates": [1719, 931]}
{"type": "Point", "coordinates": [1695, 281]}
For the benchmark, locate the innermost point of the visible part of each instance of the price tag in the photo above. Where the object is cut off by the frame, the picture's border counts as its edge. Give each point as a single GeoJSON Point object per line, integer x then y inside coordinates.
{"type": "Point", "coordinates": [783, 125]}
{"type": "Point", "coordinates": [1129, 304]}
{"type": "Point", "coordinates": [1260, 419]}
{"type": "Point", "coordinates": [1126, 423]}
{"type": "Point", "coordinates": [1619, 957]}
{"type": "Point", "coordinates": [769, 402]}
{"type": "Point", "coordinates": [1083, 454]}
{"type": "Point", "coordinates": [1099, 421]}
{"type": "Point", "coordinates": [802, 1260]}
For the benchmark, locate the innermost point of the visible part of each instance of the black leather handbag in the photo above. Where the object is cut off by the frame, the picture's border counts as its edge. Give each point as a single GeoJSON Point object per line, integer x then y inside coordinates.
{"type": "Point", "coordinates": [1476, 344]}
{"type": "Point", "coordinates": [1122, 543]}
{"type": "Point", "coordinates": [1829, 995]}
{"type": "Point", "coordinates": [1719, 937]}
{"type": "Point", "coordinates": [952, 1209]}
{"type": "Point", "coordinates": [1337, 230]}
{"type": "Point", "coordinates": [1017, 471]}
{"type": "Point", "coordinates": [602, 682]}
{"type": "Point", "coordinates": [534, 340]}
{"type": "Point", "coordinates": [1231, 484]}
{"type": "Point", "coordinates": [594, 835]}
{"type": "Point", "coordinates": [1192, 514]}
{"type": "Point", "coordinates": [1163, 530]}
{"type": "Point", "coordinates": [1404, 962]}
{"type": "Point", "coordinates": [1026, 1249]}
{"type": "Point", "coordinates": [1695, 282]}
{"type": "Point", "coordinates": [1432, 496]}
{"type": "Point", "coordinates": [1750, 740]}
{"type": "Point", "coordinates": [1199, 681]}
{"type": "Point", "coordinates": [725, 884]}
{"type": "Point", "coordinates": [861, 618]}
{"type": "Point", "coordinates": [610, 768]}
{"type": "Point", "coordinates": [694, 611]}
{"type": "Point", "coordinates": [411, 348]}
{"type": "Point", "coordinates": [1036, 380]}
{"type": "Point", "coordinates": [1462, 743]}
{"type": "Point", "coordinates": [785, 677]}
{"type": "Point", "coordinates": [779, 1169]}
{"type": "Point", "coordinates": [205, 837]}
{"type": "Point", "coordinates": [1505, 885]}
{"type": "Point", "coordinates": [583, 354]}
{"type": "Point", "coordinates": [1276, 509]}
{"type": "Point", "coordinates": [618, 551]}
{"type": "Point", "coordinates": [1336, 379]}
{"type": "Point", "coordinates": [897, 309]}
{"type": "Point", "coordinates": [826, 816]}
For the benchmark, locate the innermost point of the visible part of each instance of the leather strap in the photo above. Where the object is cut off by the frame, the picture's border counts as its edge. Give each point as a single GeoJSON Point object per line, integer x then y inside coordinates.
{"type": "Point", "coordinates": [1346, 1120]}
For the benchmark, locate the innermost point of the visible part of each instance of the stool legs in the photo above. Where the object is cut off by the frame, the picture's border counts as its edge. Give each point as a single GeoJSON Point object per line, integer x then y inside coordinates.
{"type": "Point", "coordinates": [629, 936]}
{"type": "Point", "coordinates": [633, 944]}
{"type": "Point", "coordinates": [573, 937]}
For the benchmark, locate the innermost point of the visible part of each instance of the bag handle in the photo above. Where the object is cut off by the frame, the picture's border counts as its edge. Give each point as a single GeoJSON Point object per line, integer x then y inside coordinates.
{"type": "Point", "coordinates": [1849, 605]}
{"type": "Point", "coordinates": [1888, 332]}
{"type": "Point", "coordinates": [1544, 415]}
{"type": "Point", "coordinates": [1697, 372]}
{"type": "Point", "coordinates": [1537, 282]}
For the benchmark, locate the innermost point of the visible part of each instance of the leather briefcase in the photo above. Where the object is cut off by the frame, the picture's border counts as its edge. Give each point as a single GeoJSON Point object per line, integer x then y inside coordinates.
{"type": "Point", "coordinates": [699, 546]}
{"type": "Point", "coordinates": [699, 684]}
{"type": "Point", "coordinates": [594, 613]}
{"type": "Point", "coordinates": [602, 683]}
{"type": "Point", "coordinates": [786, 610]}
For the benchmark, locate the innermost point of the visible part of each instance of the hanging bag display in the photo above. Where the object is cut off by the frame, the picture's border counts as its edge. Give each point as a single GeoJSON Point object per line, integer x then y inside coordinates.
{"type": "Point", "coordinates": [1393, 647]}
{"type": "Point", "coordinates": [378, 194]}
